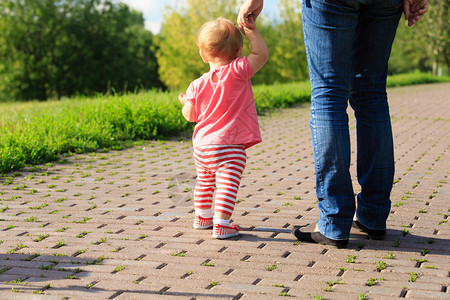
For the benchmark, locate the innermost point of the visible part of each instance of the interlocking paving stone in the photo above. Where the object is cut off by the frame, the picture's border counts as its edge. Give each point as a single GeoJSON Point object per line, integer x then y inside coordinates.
{"type": "Point", "coordinates": [118, 224]}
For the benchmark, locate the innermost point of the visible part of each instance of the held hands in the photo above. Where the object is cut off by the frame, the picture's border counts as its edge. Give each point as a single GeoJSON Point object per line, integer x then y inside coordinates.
{"type": "Point", "coordinates": [248, 14]}
{"type": "Point", "coordinates": [414, 10]}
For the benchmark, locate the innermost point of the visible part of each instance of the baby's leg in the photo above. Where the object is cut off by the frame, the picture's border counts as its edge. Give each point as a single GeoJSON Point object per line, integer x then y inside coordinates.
{"type": "Point", "coordinates": [228, 179]}
{"type": "Point", "coordinates": [203, 192]}
{"type": "Point", "coordinates": [203, 195]}
{"type": "Point", "coordinates": [227, 163]}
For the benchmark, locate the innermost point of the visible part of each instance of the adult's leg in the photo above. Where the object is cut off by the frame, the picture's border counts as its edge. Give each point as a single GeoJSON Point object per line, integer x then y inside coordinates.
{"type": "Point", "coordinates": [329, 31]}
{"type": "Point", "coordinates": [375, 152]}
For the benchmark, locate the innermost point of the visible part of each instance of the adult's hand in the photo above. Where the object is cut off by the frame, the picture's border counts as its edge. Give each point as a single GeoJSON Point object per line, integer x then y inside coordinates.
{"type": "Point", "coordinates": [414, 10]}
{"type": "Point", "coordinates": [249, 12]}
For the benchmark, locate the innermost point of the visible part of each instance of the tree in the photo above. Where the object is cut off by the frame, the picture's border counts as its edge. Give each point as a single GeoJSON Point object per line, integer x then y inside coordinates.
{"type": "Point", "coordinates": [27, 30]}
{"type": "Point", "coordinates": [426, 45]}
{"type": "Point", "coordinates": [54, 48]}
{"type": "Point", "coordinates": [436, 30]}
{"type": "Point", "coordinates": [287, 61]}
{"type": "Point", "coordinates": [407, 54]}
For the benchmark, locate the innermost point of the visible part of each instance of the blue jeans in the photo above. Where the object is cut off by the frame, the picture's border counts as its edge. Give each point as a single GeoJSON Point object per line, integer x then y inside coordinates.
{"type": "Point", "coordinates": [348, 44]}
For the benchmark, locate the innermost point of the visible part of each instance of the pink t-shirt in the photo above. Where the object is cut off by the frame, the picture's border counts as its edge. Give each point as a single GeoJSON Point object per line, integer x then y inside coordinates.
{"type": "Point", "coordinates": [225, 108]}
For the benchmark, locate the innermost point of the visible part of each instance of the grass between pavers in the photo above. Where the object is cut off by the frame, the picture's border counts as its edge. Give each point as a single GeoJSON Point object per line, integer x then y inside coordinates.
{"type": "Point", "coordinates": [91, 158]}
{"type": "Point", "coordinates": [38, 132]}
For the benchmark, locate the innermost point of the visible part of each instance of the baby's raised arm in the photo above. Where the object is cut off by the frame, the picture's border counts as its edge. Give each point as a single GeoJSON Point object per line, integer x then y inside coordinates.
{"type": "Point", "coordinates": [258, 48]}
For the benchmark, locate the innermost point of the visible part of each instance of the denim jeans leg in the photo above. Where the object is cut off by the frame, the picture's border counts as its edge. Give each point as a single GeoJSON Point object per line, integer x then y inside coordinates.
{"type": "Point", "coordinates": [375, 151]}
{"type": "Point", "coordinates": [329, 31]}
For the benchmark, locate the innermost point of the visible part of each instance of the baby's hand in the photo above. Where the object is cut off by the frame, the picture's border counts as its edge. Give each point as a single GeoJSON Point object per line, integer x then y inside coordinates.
{"type": "Point", "coordinates": [246, 30]}
{"type": "Point", "coordinates": [182, 98]}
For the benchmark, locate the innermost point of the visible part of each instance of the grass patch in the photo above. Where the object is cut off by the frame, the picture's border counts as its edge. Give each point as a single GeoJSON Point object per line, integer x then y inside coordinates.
{"type": "Point", "coordinates": [371, 281]}
{"type": "Point", "coordinates": [381, 265]}
{"type": "Point", "coordinates": [60, 243]}
{"type": "Point", "coordinates": [351, 259]}
{"type": "Point", "coordinates": [413, 276]}
{"type": "Point", "coordinates": [118, 269]}
{"type": "Point", "coordinates": [35, 132]}
{"type": "Point", "coordinates": [41, 237]}
{"type": "Point", "coordinates": [271, 268]}
{"type": "Point", "coordinates": [39, 132]}
{"type": "Point", "coordinates": [333, 283]}
{"type": "Point", "coordinates": [414, 78]}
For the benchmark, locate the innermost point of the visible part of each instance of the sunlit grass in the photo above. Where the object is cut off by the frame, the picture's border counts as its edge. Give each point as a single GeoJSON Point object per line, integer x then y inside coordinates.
{"type": "Point", "coordinates": [39, 132]}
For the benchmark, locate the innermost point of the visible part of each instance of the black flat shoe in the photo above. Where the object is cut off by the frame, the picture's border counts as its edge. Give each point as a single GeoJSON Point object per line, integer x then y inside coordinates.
{"type": "Point", "coordinates": [307, 234]}
{"type": "Point", "coordinates": [372, 233]}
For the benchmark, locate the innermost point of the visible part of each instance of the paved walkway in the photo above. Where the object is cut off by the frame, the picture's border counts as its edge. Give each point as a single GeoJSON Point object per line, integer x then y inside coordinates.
{"type": "Point", "coordinates": [118, 225]}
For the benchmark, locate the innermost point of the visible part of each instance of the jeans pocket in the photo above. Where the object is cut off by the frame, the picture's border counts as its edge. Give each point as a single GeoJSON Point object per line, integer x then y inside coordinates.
{"type": "Point", "coordinates": [396, 4]}
{"type": "Point", "coordinates": [350, 3]}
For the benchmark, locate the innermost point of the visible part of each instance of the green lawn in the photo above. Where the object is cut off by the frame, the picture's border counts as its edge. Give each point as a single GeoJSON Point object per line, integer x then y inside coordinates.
{"type": "Point", "coordinates": [38, 132]}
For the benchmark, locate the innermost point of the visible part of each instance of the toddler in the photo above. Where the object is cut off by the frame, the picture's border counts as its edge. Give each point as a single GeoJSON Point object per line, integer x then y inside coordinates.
{"type": "Point", "coordinates": [221, 103]}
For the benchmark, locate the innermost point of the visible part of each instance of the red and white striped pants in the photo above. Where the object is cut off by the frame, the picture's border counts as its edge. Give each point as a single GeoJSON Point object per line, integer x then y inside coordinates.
{"type": "Point", "coordinates": [219, 167]}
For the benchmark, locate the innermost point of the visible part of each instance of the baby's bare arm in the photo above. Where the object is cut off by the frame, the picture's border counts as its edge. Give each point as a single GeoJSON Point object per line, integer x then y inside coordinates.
{"type": "Point", "coordinates": [188, 110]}
{"type": "Point", "coordinates": [259, 51]}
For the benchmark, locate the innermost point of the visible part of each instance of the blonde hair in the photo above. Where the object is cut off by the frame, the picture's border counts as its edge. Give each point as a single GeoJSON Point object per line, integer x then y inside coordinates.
{"type": "Point", "coordinates": [220, 38]}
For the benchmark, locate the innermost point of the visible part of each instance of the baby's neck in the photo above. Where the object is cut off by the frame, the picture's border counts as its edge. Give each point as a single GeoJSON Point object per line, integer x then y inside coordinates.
{"type": "Point", "coordinates": [218, 63]}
